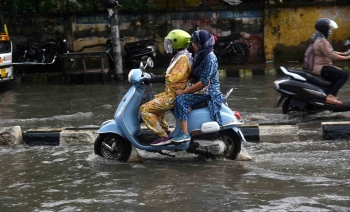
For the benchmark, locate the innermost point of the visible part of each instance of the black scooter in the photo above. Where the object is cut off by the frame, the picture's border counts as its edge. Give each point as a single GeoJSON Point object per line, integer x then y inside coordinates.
{"type": "Point", "coordinates": [306, 92]}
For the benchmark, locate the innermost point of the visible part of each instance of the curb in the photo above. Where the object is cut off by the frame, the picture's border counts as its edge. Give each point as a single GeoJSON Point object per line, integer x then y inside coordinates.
{"type": "Point", "coordinates": [270, 132]}
{"type": "Point", "coordinates": [64, 136]}
{"type": "Point", "coordinates": [335, 130]}
{"type": "Point", "coordinates": [60, 136]}
{"type": "Point", "coordinates": [88, 135]}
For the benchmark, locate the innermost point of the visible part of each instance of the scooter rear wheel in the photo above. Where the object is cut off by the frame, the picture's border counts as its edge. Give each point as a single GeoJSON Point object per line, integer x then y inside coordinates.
{"type": "Point", "coordinates": [233, 144]}
{"type": "Point", "coordinates": [121, 148]}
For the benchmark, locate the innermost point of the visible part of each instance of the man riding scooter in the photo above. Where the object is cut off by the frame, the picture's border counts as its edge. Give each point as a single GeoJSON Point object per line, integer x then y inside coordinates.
{"type": "Point", "coordinates": [177, 74]}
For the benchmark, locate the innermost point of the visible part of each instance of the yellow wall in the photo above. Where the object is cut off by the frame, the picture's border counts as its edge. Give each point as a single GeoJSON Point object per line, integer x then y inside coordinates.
{"type": "Point", "coordinates": [291, 27]}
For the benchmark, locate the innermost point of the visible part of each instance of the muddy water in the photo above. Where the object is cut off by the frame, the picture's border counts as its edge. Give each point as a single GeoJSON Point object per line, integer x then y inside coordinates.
{"type": "Point", "coordinates": [308, 175]}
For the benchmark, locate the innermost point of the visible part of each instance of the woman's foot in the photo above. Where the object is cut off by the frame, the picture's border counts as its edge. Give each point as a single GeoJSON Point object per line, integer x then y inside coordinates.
{"type": "Point", "coordinates": [181, 137]}
{"type": "Point", "coordinates": [333, 100]}
{"type": "Point", "coordinates": [161, 141]}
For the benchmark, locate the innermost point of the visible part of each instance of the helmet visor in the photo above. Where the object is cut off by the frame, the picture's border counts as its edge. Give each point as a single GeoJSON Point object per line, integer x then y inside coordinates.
{"type": "Point", "coordinates": [168, 46]}
{"type": "Point", "coordinates": [333, 25]}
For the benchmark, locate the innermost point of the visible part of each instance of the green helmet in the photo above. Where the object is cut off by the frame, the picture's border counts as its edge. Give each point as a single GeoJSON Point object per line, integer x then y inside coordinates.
{"type": "Point", "coordinates": [176, 39]}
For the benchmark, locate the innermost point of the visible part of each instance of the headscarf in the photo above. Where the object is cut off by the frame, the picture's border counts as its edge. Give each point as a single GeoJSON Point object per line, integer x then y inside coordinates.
{"type": "Point", "coordinates": [205, 42]}
{"type": "Point", "coordinates": [318, 35]}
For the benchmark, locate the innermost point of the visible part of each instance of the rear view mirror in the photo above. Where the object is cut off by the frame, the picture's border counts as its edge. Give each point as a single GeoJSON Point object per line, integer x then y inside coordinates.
{"type": "Point", "coordinates": [150, 62]}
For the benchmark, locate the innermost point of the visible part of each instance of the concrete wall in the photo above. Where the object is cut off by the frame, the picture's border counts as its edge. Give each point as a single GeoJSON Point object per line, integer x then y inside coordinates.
{"type": "Point", "coordinates": [287, 31]}
{"type": "Point", "coordinates": [90, 32]}
{"type": "Point", "coordinates": [279, 34]}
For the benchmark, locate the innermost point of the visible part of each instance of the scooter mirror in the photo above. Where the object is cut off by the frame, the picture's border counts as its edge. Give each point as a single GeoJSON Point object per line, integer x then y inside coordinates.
{"type": "Point", "coordinates": [142, 67]}
{"type": "Point", "coordinates": [150, 62]}
{"type": "Point", "coordinates": [346, 42]}
{"type": "Point", "coordinates": [228, 93]}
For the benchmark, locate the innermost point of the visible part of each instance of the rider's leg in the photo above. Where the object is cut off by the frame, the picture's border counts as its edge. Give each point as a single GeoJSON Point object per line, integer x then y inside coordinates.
{"type": "Point", "coordinates": [153, 114]}
{"type": "Point", "coordinates": [339, 78]}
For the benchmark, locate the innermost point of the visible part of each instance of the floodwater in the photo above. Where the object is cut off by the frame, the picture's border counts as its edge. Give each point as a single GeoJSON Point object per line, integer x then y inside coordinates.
{"type": "Point", "coordinates": [309, 175]}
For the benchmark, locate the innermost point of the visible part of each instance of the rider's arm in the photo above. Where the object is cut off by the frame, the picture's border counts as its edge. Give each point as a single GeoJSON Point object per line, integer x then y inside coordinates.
{"type": "Point", "coordinates": [342, 53]}
{"type": "Point", "coordinates": [209, 67]}
{"type": "Point", "coordinates": [328, 52]}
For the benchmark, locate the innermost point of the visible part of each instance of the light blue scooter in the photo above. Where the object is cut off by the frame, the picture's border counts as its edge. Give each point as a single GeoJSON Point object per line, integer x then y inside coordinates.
{"type": "Point", "coordinates": [116, 137]}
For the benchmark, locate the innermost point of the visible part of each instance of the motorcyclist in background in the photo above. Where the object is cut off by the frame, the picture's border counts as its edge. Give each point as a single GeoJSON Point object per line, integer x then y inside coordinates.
{"type": "Point", "coordinates": [176, 77]}
{"type": "Point", "coordinates": [324, 54]}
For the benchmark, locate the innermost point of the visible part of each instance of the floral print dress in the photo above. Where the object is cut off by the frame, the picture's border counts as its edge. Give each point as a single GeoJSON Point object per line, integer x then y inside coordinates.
{"type": "Point", "coordinates": [153, 112]}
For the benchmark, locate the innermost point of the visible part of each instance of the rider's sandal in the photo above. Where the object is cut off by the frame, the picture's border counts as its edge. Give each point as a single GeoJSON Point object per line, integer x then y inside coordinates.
{"type": "Point", "coordinates": [333, 100]}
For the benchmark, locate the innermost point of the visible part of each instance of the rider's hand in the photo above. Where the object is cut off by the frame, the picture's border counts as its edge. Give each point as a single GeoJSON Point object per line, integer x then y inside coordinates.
{"type": "Point", "coordinates": [178, 92]}
{"type": "Point", "coordinates": [146, 81]}
{"type": "Point", "coordinates": [154, 79]}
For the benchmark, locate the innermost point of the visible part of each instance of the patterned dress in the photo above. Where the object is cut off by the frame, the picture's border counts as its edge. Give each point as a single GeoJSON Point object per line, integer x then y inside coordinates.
{"type": "Point", "coordinates": [209, 71]}
{"type": "Point", "coordinates": [153, 112]}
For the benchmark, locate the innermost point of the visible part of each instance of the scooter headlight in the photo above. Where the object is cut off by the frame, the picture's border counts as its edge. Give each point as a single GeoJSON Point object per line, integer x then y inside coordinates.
{"type": "Point", "coordinates": [130, 74]}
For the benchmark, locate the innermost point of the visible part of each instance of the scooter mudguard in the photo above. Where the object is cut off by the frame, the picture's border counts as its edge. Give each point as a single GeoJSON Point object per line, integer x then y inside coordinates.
{"type": "Point", "coordinates": [111, 127]}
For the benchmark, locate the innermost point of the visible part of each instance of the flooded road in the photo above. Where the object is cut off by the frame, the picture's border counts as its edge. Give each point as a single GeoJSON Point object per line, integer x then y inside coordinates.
{"type": "Point", "coordinates": [308, 175]}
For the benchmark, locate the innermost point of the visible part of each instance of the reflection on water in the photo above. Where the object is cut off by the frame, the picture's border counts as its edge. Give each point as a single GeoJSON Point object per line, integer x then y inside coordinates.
{"type": "Point", "coordinates": [309, 175]}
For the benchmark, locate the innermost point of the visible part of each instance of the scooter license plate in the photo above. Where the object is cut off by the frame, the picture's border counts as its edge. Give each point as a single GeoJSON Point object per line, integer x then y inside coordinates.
{"type": "Point", "coordinates": [3, 73]}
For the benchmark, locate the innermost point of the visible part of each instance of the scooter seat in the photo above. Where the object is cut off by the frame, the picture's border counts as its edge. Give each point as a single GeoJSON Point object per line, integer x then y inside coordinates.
{"type": "Point", "coordinates": [199, 105]}
{"type": "Point", "coordinates": [313, 78]}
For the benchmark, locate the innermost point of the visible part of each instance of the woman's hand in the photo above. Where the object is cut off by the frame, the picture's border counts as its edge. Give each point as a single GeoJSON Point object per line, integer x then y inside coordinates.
{"type": "Point", "coordinates": [178, 92]}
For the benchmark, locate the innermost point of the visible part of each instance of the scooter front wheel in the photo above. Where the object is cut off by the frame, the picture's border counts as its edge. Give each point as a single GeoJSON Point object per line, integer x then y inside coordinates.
{"type": "Point", "coordinates": [112, 146]}
{"type": "Point", "coordinates": [286, 108]}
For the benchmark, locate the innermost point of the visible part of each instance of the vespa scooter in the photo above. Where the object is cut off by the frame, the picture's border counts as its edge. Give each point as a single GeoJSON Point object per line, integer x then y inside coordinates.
{"type": "Point", "coordinates": [117, 137]}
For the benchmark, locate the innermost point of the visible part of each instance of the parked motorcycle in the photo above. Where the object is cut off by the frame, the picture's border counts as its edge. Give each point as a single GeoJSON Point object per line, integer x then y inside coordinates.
{"type": "Point", "coordinates": [117, 137]}
{"type": "Point", "coordinates": [38, 55]}
{"type": "Point", "coordinates": [234, 48]}
{"type": "Point", "coordinates": [135, 52]}
{"type": "Point", "coordinates": [306, 92]}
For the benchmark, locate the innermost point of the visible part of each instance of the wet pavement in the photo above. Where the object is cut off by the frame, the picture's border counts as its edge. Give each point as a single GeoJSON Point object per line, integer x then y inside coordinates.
{"type": "Point", "coordinates": [309, 175]}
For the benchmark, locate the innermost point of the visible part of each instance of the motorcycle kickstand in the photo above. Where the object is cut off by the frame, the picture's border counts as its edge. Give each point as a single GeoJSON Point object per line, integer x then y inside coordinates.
{"type": "Point", "coordinates": [163, 153]}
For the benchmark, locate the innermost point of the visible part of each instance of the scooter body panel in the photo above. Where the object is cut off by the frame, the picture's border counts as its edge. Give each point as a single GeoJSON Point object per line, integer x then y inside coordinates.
{"type": "Point", "coordinates": [199, 116]}
{"type": "Point", "coordinates": [301, 90]}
